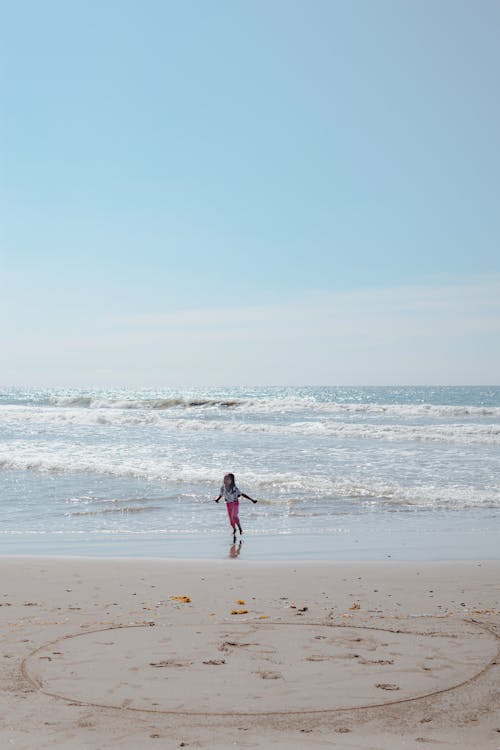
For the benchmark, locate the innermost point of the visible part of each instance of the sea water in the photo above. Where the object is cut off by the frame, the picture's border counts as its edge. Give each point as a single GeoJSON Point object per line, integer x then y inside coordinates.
{"type": "Point", "coordinates": [338, 472]}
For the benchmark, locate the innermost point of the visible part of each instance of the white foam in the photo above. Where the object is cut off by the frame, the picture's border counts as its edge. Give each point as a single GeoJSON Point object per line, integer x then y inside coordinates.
{"type": "Point", "coordinates": [293, 405]}
{"type": "Point", "coordinates": [94, 402]}
{"type": "Point", "coordinates": [460, 433]}
{"type": "Point", "coordinates": [265, 404]}
{"type": "Point", "coordinates": [278, 487]}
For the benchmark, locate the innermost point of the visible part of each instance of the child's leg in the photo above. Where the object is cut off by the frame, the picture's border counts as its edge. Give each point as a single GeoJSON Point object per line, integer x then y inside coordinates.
{"type": "Point", "coordinates": [236, 516]}
{"type": "Point", "coordinates": [230, 513]}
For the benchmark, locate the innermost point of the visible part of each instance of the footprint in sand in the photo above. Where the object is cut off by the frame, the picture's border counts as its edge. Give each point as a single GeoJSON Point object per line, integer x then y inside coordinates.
{"type": "Point", "coordinates": [382, 662]}
{"type": "Point", "coordinates": [214, 662]}
{"type": "Point", "coordinates": [228, 645]}
{"type": "Point", "coordinates": [315, 657]}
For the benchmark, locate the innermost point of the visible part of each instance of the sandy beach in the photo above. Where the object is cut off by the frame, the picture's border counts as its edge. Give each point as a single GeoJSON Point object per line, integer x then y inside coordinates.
{"type": "Point", "coordinates": [163, 653]}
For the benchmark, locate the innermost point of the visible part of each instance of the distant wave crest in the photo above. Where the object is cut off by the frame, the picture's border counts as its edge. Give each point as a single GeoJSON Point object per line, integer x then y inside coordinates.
{"type": "Point", "coordinates": [287, 405]}
{"type": "Point", "coordinates": [439, 431]}
{"type": "Point", "coordinates": [92, 402]}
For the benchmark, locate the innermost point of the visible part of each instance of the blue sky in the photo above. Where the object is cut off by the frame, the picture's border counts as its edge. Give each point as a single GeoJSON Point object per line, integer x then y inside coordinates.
{"type": "Point", "coordinates": [273, 179]}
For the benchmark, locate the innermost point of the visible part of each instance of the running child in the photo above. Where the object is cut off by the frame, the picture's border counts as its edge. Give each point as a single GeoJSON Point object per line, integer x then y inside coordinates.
{"type": "Point", "coordinates": [231, 495]}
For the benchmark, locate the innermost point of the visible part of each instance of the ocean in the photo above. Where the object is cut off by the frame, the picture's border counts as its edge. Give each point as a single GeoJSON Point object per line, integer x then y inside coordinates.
{"type": "Point", "coordinates": [338, 472]}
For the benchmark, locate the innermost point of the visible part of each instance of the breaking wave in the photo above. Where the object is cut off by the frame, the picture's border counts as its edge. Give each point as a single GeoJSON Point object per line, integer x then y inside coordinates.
{"type": "Point", "coordinates": [120, 509]}
{"type": "Point", "coordinates": [92, 402]}
{"type": "Point", "coordinates": [467, 432]}
{"type": "Point", "coordinates": [362, 402]}
{"type": "Point", "coordinates": [284, 488]}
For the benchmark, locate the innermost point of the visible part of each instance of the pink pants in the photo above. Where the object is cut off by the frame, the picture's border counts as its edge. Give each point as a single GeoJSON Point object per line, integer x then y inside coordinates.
{"type": "Point", "coordinates": [232, 512]}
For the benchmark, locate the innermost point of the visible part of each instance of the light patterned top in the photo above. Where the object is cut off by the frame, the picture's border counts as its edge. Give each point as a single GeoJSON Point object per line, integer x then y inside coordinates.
{"type": "Point", "coordinates": [230, 495]}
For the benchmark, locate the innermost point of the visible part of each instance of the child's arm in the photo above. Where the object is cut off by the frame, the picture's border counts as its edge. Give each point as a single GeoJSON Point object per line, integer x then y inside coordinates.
{"type": "Point", "coordinates": [248, 497]}
{"type": "Point", "coordinates": [218, 498]}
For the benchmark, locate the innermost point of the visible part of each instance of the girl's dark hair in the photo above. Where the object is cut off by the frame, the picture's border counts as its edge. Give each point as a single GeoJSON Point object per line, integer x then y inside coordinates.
{"type": "Point", "coordinates": [231, 477]}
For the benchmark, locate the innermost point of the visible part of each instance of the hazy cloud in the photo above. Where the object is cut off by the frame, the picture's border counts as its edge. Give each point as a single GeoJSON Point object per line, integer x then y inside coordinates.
{"type": "Point", "coordinates": [414, 334]}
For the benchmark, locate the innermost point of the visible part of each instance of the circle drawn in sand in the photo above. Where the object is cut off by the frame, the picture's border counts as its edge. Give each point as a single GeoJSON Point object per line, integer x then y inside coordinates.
{"type": "Point", "coordinates": [265, 668]}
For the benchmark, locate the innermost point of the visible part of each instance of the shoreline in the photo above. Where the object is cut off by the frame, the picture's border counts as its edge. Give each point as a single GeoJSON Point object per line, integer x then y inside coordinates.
{"type": "Point", "coordinates": [101, 652]}
{"type": "Point", "coordinates": [456, 537]}
{"type": "Point", "coordinates": [281, 563]}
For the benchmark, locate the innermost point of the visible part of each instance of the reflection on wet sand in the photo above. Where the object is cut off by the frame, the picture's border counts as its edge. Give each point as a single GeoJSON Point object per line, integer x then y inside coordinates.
{"type": "Point", "coordinates": [235, 549]}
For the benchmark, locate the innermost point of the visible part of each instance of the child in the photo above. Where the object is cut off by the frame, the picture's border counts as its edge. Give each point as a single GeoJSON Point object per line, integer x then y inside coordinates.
{"type": "Point", "coordinates": [231, 493]}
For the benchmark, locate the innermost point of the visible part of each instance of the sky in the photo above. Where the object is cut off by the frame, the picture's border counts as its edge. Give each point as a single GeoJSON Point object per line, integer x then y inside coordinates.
{"type": "Point", "coordinates": [258, 193]}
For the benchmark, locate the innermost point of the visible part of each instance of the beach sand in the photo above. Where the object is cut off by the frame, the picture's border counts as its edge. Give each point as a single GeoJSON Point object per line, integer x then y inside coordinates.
{"type": "Point", "coordinates": [96, 654]}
